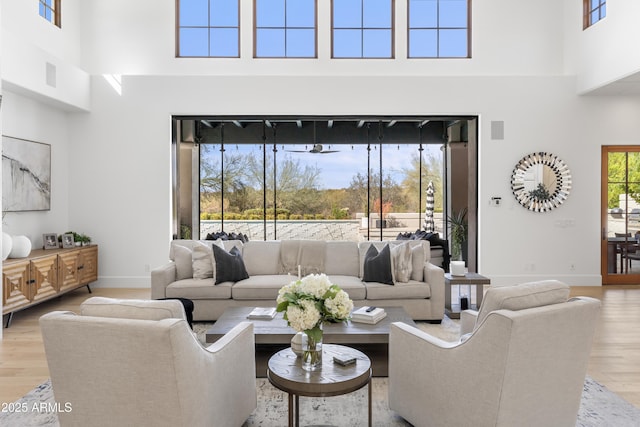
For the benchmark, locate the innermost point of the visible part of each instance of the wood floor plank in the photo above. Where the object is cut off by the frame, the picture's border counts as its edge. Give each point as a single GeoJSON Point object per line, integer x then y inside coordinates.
{"type": "Point", "coordinates": [614, 361]}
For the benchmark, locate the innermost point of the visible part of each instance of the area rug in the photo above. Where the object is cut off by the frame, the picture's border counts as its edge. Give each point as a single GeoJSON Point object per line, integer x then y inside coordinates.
{"type": "Point", "coordinates": [599, 406]}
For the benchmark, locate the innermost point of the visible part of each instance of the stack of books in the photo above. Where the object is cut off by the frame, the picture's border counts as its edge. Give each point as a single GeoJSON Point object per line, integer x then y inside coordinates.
{"type": "Point", "coordinates": [371, 315]}
{"type": "Point", "coordinates": [262, 313]}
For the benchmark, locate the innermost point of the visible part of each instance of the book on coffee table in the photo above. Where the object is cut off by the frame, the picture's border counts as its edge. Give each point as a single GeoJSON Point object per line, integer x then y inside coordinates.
{"type": "Point", "coordinates": [262, 313]}
{"type": "Point", "coordinates": [368, 315]}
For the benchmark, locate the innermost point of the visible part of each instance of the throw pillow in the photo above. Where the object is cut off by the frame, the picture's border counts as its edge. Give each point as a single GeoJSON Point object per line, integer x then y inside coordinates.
{"type": "Point", "coordinates": [229, 265]}
{"type": "Point", "coordinates": [203, 261]}
{"type": "Point", "coordinates": [401, 259]}
{"type": "Point", "coordinates": [182, 257]}
{"type": "Point", "coordinates": [417, 262]}
{"type": "Point", "coordinates": [377, 265]}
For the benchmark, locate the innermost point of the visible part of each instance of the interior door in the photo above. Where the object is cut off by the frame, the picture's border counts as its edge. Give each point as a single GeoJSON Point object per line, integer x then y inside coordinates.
{"type": "Point", "coordinates": [620, 209]}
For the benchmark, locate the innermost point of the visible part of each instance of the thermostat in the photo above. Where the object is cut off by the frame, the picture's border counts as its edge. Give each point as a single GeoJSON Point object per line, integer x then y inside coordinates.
{"type": "Point", "coordinates": [496, 201]}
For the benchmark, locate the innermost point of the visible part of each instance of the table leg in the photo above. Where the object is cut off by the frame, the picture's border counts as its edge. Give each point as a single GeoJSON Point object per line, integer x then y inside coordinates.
{"type": "Point", "coordinates": [370, 417]}
{"type": "Point", "coordinates": [290, 424]}
{"type": "Point", "coordinates": [297, 411]}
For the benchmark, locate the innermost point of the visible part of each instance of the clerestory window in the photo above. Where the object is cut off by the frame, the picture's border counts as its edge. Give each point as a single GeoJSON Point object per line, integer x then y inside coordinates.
{"type": "Point", "coordinates": [362, 28]}
{"type": "Point", "coordinates": [208, 28]}
{"type": "Point", "coordinates": [50, 10]}
{"type": "Point", "coordinates": [594, 11]}
{"type": "Point", "coordinates": [439, 29]}
{"type": "Point", "coordinates": [285, 29]}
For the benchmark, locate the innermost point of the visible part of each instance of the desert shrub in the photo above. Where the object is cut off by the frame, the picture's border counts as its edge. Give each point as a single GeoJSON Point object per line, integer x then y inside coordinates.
{"type": "Point", "coordinates": [295, 216]}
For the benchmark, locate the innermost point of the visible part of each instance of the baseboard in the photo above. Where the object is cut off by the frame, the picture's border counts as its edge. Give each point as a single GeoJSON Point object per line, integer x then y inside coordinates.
{"type": "Point", "coordinates": [570, 279]}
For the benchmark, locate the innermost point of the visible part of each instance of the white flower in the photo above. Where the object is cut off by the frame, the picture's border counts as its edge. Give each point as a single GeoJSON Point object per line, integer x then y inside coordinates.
{"type": "Point", "coordinates": [312, 300]}
{"type": "Point", "coordinates": [339, 306]}
{"type": "Point", "coordinates": [315, 285]}
{"type": "Point", "coordinates": [303, 316]}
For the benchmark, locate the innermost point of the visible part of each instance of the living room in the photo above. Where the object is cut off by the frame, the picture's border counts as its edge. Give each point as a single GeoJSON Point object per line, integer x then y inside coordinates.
{"type": "Point", "coordinates": [117, 83]}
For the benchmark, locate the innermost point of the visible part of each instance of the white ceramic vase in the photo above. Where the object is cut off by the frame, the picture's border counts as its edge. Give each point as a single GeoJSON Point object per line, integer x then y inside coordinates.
{"type": "Point", "coordinates": [457, 268]}
{"type": "Point", "coordinates": [21, 247]}
{"type": "Point", "coordinates": [7, 243]}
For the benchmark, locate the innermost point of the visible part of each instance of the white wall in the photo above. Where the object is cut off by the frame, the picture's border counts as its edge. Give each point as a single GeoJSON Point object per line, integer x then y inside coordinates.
{"type": "Point", "coordinates": [28, 119]}
{"type": "Point", "coordinates": [607, 50]}
{"type": "Point", "coordinates": [30, 43]}
{"type": "Point", "coordinates": [117, 157]}
{"type": "Point", "coordinates": [128, 37]}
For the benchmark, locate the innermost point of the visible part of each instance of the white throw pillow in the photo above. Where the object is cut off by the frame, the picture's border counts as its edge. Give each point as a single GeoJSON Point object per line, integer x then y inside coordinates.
{"type": "Point", "coordinates": [183, 257]}
{"type": "Point", "coordinates": [417, 261]}
{"type": "Point", "coordinates": [204, 264]}
{"type": "Point", "coordinates": [401, 261]}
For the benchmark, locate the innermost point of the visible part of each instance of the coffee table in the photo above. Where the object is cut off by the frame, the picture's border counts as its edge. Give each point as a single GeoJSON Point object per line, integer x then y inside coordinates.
{"type": "Point", "coordinates": [285, 372]}
{"type": "Point", "coordinates": [274, 335]}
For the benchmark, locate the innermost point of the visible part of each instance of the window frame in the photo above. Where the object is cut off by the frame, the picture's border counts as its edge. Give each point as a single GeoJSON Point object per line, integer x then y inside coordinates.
{"type": "Point", "coordinates": [285, 28]}
{"type": "Point", "coordinates": [587, 11]}
{"type": "Point", "coordinates": [55, 11]}
{"type": "Point", "coordinates": [438, 28]}
{"type": "Point", "coordinates": [392, 29]}
{"type": "Point", "coordinates": [208, 27]}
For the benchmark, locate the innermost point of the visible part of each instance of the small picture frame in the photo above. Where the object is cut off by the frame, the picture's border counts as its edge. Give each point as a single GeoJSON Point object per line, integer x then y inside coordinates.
{"type": "Point", "coordinates": [67, 241]}
{"type": "Point", "coordinates": [50, 240]}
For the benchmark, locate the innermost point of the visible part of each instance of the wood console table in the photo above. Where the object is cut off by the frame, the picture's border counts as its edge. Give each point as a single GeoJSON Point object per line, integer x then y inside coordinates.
{"type": "Point", "coordinates": [46, 274]}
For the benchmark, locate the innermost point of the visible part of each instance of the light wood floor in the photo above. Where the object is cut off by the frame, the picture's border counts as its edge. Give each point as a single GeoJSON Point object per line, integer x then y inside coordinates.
{"type": "Point", "coordinates": [615, 357]}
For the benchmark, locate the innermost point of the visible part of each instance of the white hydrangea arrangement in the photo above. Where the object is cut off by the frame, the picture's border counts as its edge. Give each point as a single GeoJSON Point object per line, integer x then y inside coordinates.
{"type": "Point", "coordinates": [312, 300]}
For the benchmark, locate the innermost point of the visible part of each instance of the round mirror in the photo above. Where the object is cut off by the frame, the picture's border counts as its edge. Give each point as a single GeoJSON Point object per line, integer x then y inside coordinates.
{"type": "Point", "coordinates": [541, 181]}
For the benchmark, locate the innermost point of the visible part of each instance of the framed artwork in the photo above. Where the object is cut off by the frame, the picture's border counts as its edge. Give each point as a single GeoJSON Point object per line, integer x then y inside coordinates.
{"type": "Point", "coordinates": [50, 240]}
{"type": "Point", "coordinates": [67, 240]}
{"type": "Point", "coordinates": [26, 175]}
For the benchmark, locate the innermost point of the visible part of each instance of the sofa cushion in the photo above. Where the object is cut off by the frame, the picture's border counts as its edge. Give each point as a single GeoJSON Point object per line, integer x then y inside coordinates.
{"type": "Point", "coordinates": [195, 289]}
{"type": "Point", "coordinates": [409, 290]}
{"type": "Point", "coordinates": [402, 266]}
{"type": "Point", "coordinates": [261, 257]}
{"type": "Point", "coordinates": [184, 262]}
{"type": "Point", "coordinates": [265, 286]}
{"type": "Point", "coordinates": [352, 285]}
{"type": "Point", "coordinates": [229, 265]}
{"type": "Point", "coordinates": [132, 309]}
{"type": "Point", "coordinates": [342, 258]}
{"type": "Point", "coordinates": [523, 296]}
{"type": "Point", "coordinates": [377, 265]}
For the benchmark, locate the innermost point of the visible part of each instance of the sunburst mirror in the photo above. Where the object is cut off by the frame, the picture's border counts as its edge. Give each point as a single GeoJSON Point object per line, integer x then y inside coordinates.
{"type": "Point", "coordinates": [541, 181]}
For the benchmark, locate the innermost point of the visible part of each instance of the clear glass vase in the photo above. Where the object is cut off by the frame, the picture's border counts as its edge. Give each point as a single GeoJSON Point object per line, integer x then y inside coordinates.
{"type": "Point", "coordinates": [312, 348]}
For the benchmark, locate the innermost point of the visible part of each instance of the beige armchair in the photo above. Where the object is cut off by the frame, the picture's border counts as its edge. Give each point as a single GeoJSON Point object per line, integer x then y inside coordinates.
{"type": "Point", "coordinates": [115, 369]}
{"type": "Point", "coordinates": [523, 364]}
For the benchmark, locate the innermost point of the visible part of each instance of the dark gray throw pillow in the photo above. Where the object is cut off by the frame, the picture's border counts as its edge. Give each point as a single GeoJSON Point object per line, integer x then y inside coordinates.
{"type": "Point", "coordinates": [229, 265]}
{"type": "Point", "coordinates": [377, 265]}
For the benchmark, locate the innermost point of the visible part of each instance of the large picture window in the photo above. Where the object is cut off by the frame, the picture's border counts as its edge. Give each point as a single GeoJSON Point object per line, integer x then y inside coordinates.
{"type": "Point", "coordinates": [322, 180]}
{"type": "Point", "coordinates": [208, 28]}
{"type": "Point", "coordinates": [594, 11]}
{"type": "Point", "coordinates": [285, 28]}
{"type": "Point", "coordinates": [362, 28]}
{"type": "Point", "coordinates": [438, 29]}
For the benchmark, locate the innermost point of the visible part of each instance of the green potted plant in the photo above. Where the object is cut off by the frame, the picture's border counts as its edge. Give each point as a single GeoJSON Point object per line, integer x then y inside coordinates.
{"type": "Point", "coordinates": [459, 229]}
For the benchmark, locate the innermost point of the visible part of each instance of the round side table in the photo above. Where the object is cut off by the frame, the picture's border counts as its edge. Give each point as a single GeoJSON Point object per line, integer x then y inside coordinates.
{"type": "Point", "coordinates": [285, 373]}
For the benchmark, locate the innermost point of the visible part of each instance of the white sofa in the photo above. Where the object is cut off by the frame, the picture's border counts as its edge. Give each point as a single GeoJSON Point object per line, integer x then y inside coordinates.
{"type": "Point", "coordinates": [273, 264]}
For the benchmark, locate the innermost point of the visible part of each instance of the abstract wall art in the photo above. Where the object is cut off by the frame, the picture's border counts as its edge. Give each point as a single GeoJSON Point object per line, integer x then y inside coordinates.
{"type": "Point", "coordinates": [26, 175]}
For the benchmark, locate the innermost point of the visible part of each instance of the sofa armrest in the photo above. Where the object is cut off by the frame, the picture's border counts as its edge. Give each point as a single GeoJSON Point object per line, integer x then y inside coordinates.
{"type": "Point", "coordinates": [434, 277]}
{"type": "Point", "coordinates": [161, 277]}
{"type": "Point", "coordinates": [467, 321]}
